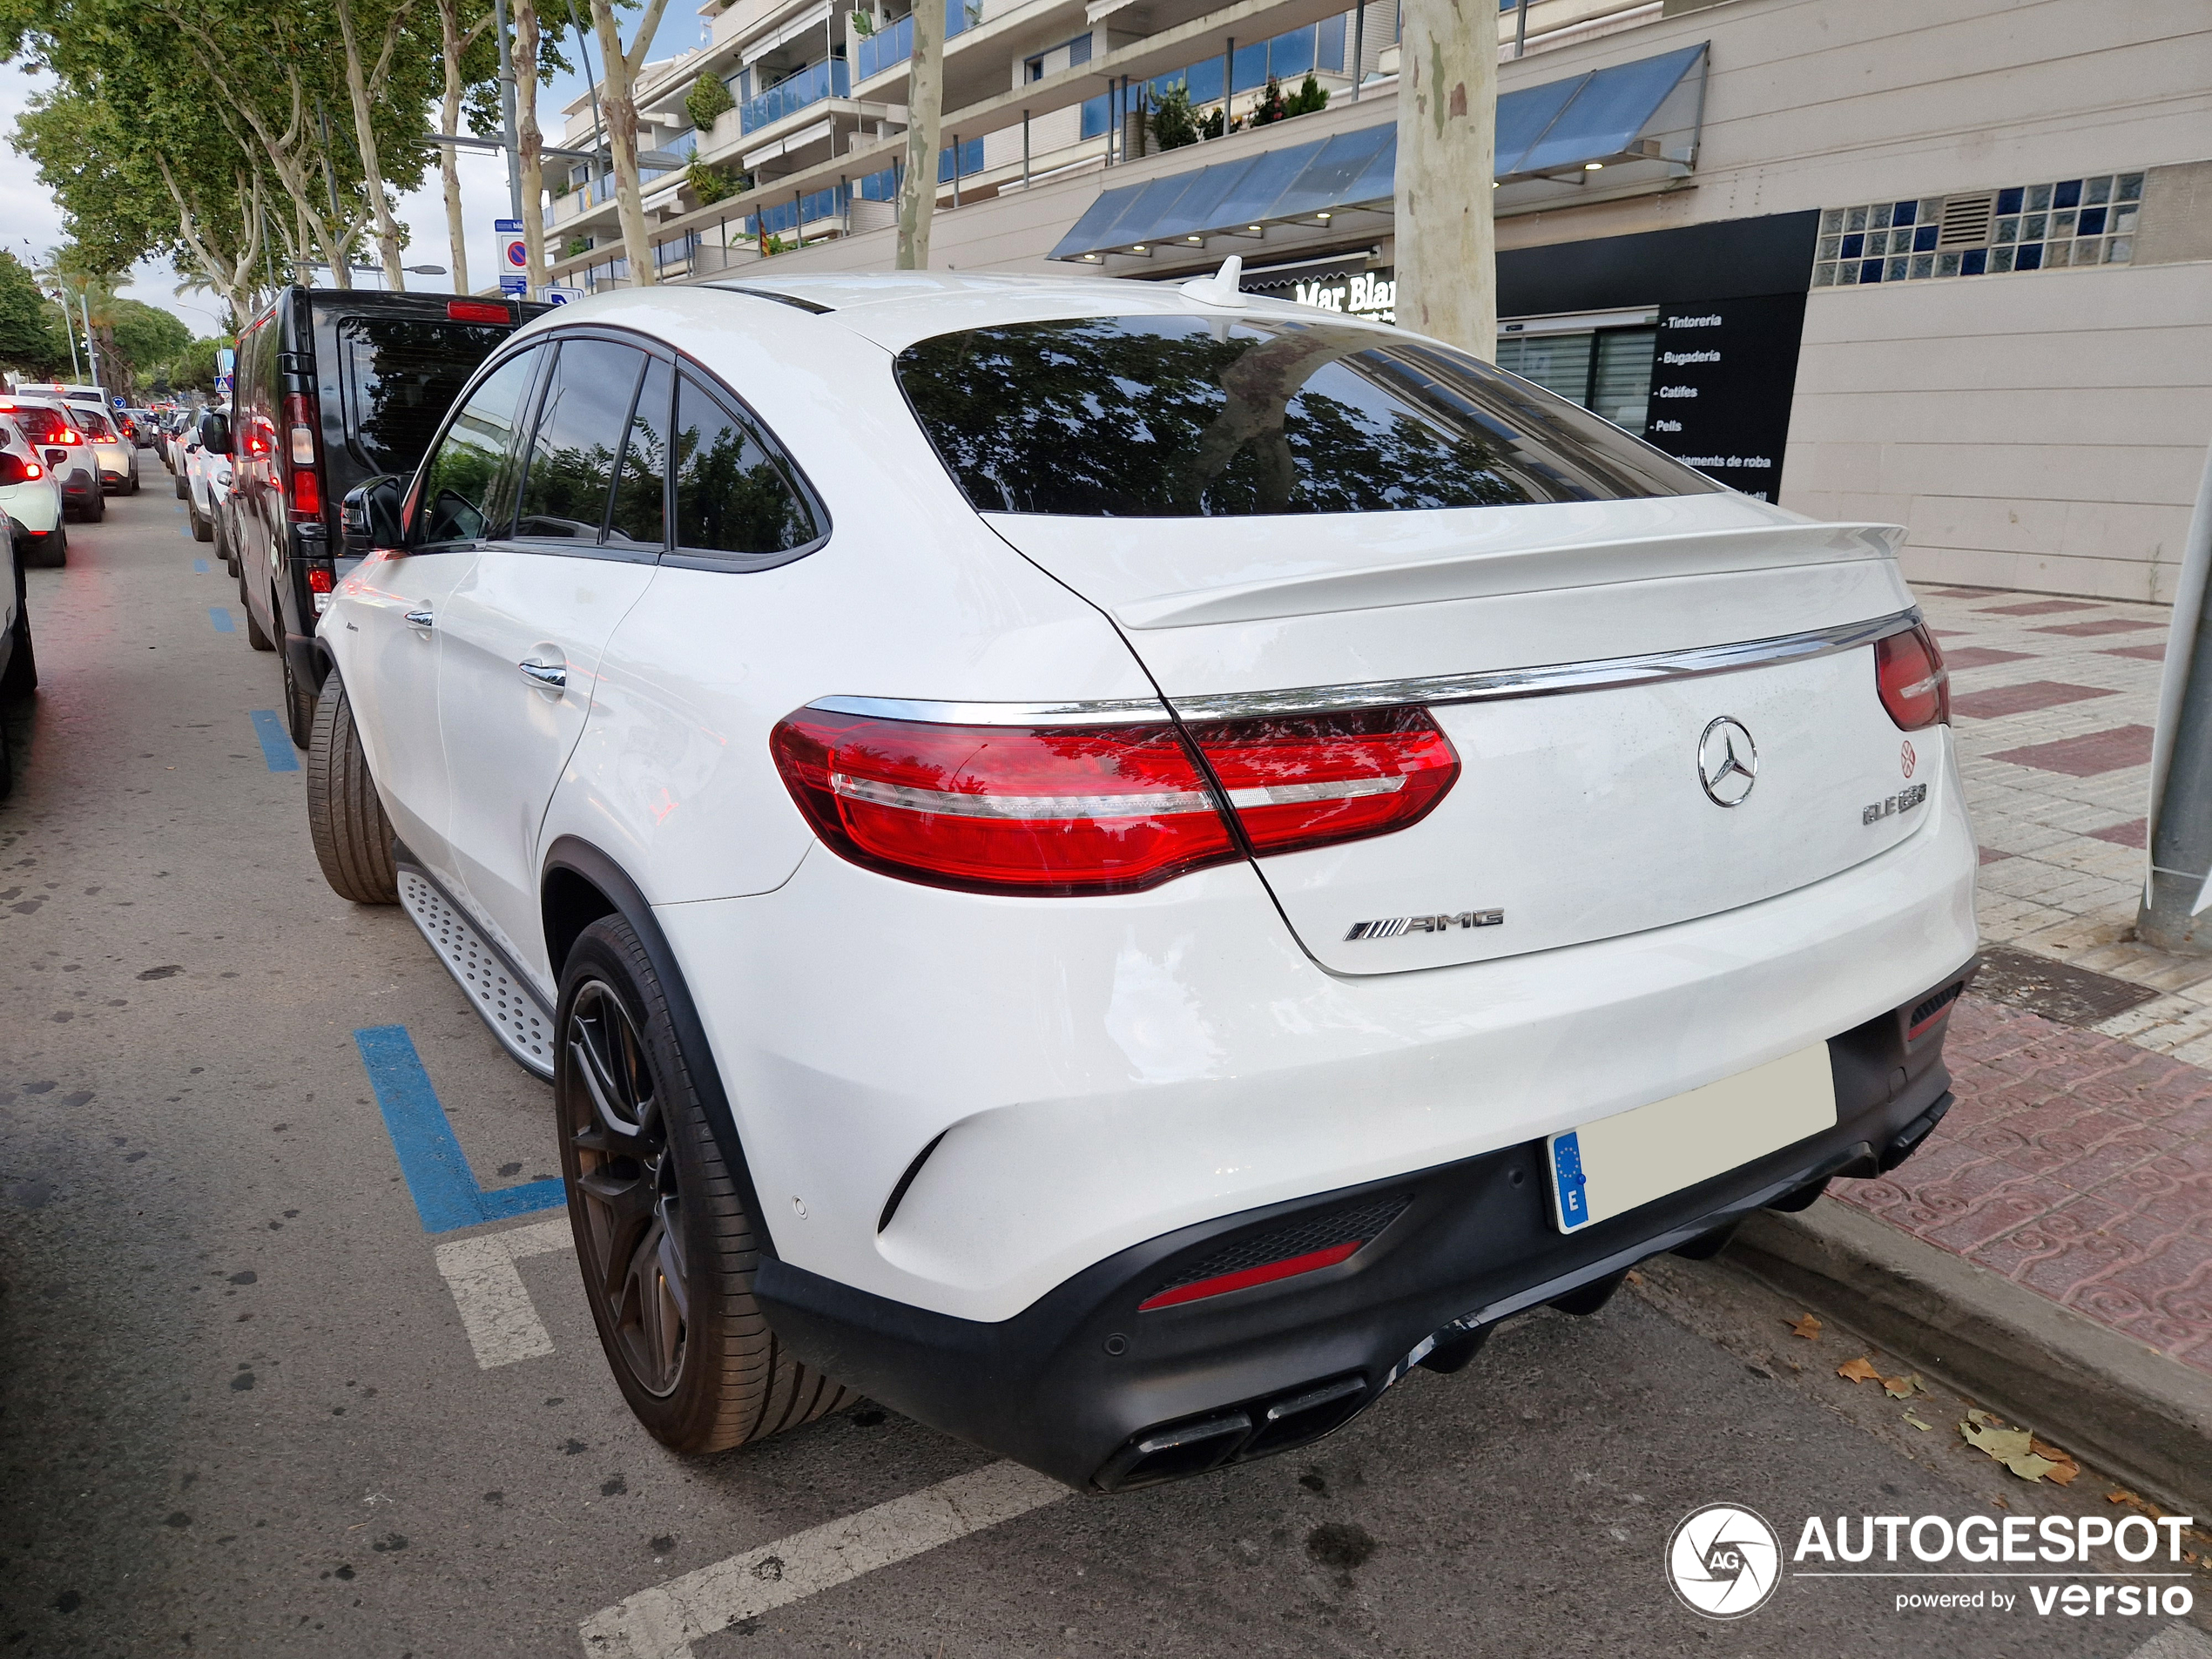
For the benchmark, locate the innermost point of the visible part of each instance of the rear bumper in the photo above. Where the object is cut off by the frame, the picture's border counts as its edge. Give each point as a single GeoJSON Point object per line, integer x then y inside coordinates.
{"type": "Point", "coordinates": [1084, 1386]}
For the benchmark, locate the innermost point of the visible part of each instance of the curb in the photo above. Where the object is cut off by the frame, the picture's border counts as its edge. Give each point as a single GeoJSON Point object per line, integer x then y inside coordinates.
{"type": "Point", "coordinates": [2139, 1414]}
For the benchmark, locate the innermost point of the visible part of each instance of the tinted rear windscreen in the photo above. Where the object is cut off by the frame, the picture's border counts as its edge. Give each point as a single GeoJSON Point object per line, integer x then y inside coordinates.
{"type": "Point", "coordinates": [400, 376]}
{"type": "Point", "coordinates": [1182, 417]}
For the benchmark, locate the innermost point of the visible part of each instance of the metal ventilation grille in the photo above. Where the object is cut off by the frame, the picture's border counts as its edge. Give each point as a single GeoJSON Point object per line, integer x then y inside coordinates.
{"type": "Point", "coordinates": [1303, 1238]}
{"type": "Point", "coordinates": [1966, 220]}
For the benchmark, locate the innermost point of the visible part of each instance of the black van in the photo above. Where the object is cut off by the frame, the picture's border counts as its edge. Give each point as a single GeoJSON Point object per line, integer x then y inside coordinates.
{"type": "Point", "coordinates": [334, 385]}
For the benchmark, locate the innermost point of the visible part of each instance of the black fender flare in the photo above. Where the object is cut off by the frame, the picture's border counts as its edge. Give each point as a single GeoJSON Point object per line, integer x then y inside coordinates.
{"type": "Point", "coordinates": [578, 856]}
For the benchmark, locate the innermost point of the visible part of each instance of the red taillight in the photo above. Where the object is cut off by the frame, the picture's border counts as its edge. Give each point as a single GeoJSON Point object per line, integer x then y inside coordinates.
{"type": "Point", "coordinates": [1070, 810]}
{"type": "Point", "coordinates": [1043, 811]}
{"type": "Point", "coordinates": [67, 434]}
{"type": "Point", "coordinates": [306, 484]}
{"type": "Point", "coordinates": [1915, 685]}
{"type": "Point", "coordinates": [1244, 1278]}
{"type": "Point", "coordinates": [33, 470]}
{"type": "Point", "coordinates": [1321, 778]}
{"type": "Point", "coordinates": [321, 579]}
{"type": "Point", "coordinates": [477, 310]}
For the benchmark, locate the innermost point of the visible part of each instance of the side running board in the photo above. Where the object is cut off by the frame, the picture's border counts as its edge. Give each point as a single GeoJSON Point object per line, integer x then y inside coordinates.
{"type": "Point", "coordinates": [509, 1005]}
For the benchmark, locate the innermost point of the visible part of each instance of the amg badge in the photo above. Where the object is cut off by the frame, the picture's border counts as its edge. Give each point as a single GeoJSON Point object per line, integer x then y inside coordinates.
{"type": "Point", "coordinates": [1889, 805]}
{"type": "Point", "coordinates": [1391, 926]}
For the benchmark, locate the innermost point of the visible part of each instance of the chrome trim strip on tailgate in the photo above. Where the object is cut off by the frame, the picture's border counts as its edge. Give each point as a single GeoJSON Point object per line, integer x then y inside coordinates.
{"type": "Point", "coordinates": [1549, 680]}
{"type": "Point", "coordinates": [1103, 711]}
{"type": "Point", "coordinates": [1375, 694]}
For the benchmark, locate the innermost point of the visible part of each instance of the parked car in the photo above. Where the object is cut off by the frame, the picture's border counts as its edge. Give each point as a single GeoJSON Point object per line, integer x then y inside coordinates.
{"type": "Point", "coordinates": [18, 666]}
{"type": "Point", "coordinates": [115, 453]}
{"type": "Point", "coordinates": [333, 386]}
{"type": "Point", "coordinates": [207, 472]}
{"type": "Point", "coordinates": [49, 423]}
{"type": "Point", "coordinates": [175, 432]}
{"type": "Point", "coordinates": [33, 501]}
{"type": "Point", "coordinates": [139, 423]}
{"type": "Point", "coordinates": [1116, 865]}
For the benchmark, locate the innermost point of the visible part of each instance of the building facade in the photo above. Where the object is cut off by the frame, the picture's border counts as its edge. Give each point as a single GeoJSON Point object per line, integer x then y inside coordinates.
{"type": "Point", "coordinates": [1943, 263]}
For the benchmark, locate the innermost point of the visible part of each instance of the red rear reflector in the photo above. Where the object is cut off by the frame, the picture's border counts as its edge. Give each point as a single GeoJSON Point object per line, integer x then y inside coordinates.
{"type": "Point", "coordinates": [1049, 811]}
{"type": "Point", "coordinates": [1914, 685]}
{"type": "Point", "coordinates": [1244, 1278]}
{"type": "Point", "coordinates": [1317, 779]}
{"type": "Point", "coordinates": [320, 579]}
{"type": "Point", "coordinates": [477, 310]}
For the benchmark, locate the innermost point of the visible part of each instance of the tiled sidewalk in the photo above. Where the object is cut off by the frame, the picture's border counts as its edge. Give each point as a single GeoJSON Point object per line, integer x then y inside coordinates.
{"type": "Point", "coordinates": [2078, 1161]}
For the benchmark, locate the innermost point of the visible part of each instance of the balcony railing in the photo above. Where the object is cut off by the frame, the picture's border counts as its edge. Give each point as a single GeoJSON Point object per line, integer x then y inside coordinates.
{"type": "Point", "coordinates": [893, 45]}
{"type": "Point", "coordinates": [827, 79]}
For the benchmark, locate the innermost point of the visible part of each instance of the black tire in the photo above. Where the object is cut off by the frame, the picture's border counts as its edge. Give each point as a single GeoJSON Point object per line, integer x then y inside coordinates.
{"type": "Point", "coordinates": [345, 817]}
{"type": "Point", "coordinates": [202, 530]}
{"type": "Point", "coordinates": [55, 554]}
{"type": "Point", "coordinates": [299, 704]}
{"type": "Point", "coordinates": [653, 1204]}
{"type": "Point", "coordinates": [184, 489]}
{"type": "Point", "coordinates": [98, 510]}
{"type": "Point", "coordinates": [223, 545]}
{"type": "Point", "coordinates": [254, 636]}
{"type": "Point", "coordinates": [132, 487]}
{"type": "Point", "coordinates": [7, 769]}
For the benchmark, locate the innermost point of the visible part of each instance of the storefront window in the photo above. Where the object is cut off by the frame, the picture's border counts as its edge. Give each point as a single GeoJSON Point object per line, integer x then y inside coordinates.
{"type": "Point", "coordinates": [1608, 371]}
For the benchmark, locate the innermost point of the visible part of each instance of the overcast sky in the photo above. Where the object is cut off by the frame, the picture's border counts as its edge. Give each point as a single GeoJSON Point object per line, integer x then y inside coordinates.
{"type": "Point", "coordinates": [30, 220]}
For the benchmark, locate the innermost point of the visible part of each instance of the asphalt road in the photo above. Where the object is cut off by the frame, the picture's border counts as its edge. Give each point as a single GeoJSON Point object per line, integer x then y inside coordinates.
{"type": "Point", "coordinates": [249, 1406]}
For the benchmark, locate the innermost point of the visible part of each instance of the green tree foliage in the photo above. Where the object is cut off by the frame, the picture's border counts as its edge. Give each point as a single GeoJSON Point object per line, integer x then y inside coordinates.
{"type": "Point", "coordinates": [1271, 108]}
{"type": "Point", "coordinates": [27, 339]}
{"type": "Point", "coordinates": [146, 336]}
{"type": "Point", "coordinates": [708, 100]}
{"type": "Point", "coordinates": [1174, 123]}
{"type": "Point", "coordinates": [1310, 99]}
{"type": "Point", "coordinates": [194, 367]}
{"type": "Point", "coordinates": [712, 185]}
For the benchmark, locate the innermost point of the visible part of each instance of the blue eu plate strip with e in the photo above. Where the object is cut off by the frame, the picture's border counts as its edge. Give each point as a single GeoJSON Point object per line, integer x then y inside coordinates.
{"type": "Point", "coordinates": [1568, 1182]}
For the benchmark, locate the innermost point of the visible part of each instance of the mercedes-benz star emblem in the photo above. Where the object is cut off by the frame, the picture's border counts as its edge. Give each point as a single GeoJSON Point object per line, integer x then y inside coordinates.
{"type": "Point", "coordinates": [1728, 762]}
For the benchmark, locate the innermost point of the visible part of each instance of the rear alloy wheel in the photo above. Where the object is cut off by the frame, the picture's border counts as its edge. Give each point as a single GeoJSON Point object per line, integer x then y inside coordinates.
{"type": "Point", "coordinates": [346, 821]}
{"type": "Point", "coordinates": [663, 1239]}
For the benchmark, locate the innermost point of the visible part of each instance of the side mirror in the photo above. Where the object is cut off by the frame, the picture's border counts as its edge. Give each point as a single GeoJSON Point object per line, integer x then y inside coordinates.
{"type": "Point", "coordinates": [12, 469]}
{"type": "Point", "coordinates": [215, 433]}
{"type": "Point", "coordinates": [370, 516]}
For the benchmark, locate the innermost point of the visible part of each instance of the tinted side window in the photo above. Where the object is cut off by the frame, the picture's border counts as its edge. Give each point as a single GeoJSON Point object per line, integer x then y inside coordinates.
{"type": "Point", "coordinates": [641, 485]}
{"type": "Point", "coordinates": [731, 494]}
{"type": "Point", "coordinates": [462, 498]}
{"type": "Point", "coordinates": [572, 470]}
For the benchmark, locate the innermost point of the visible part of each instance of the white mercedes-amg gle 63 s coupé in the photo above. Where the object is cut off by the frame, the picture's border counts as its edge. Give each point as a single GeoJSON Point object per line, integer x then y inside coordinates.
{"type": "Point", "coordinates": [1113, 865]}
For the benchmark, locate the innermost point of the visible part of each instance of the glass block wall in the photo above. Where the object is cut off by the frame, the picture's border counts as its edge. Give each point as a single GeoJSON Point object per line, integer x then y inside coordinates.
{"type": "Point", "coordinates": [2023, 227]}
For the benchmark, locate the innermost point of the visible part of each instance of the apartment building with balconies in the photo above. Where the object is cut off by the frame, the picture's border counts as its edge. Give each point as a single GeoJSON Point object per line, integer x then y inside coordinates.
{"type": "Point", "coordinates": [1944, 263]}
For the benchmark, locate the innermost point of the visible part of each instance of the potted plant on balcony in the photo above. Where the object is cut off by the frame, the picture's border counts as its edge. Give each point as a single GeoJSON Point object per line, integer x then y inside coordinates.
{"type": "Point", "coordinates": [1174, 124]}
{"type": "Point", "coordinates": [708, 101]}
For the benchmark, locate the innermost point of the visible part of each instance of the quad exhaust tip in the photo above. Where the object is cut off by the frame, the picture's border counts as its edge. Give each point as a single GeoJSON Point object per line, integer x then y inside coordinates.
{"type": "Point", "coordinates": [1296, 1417]}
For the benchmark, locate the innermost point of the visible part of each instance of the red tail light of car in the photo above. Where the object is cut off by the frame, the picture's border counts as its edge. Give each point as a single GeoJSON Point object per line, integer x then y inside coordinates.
{"type": "Point", "coordinates": [1063, 811]}
{"type": "Point", "coordinates": [477, 310]}
{"type": "Point", "coordinates": [1317, 779]}
{"type": "Point", "coordinates": [1914, 685]}
{"type": "Point", "coordinates": [307, 479]}
{"type": "Point", "coordinates": [33, 471]}
{"type": "Point", "coordinates": [1049, 811]}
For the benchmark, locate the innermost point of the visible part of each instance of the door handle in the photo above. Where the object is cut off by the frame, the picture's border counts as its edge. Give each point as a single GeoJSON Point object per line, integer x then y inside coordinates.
{"type": "Point", "coordinates": [415, 618]}
{"type": "Point", "coordinates": [551, 676]}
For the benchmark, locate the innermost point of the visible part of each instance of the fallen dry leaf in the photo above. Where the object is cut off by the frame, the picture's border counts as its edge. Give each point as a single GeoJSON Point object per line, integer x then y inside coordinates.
{"type": "Point", "coordinates": [2063, 1468]}
{"type": "Point", "coordinates": [2121, 1497]}
{"type": "Point", "coordinates": [1806, 1327]}
{"type": "Point", "coordinates": [1634, 1277]}
{"type": "Point", "coordinates": [1916, 1423]}
{"type": "Point", "coordinates": [1903, 1387]}
{"type": "Point", "coordinates": [1860, 1370]}
{"type": "Point", "coordinates": [2015, 1448]}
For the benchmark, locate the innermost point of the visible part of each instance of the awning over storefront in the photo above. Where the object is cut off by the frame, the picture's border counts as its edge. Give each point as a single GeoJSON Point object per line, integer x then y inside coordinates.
{"type": "Point", "coordinates": [1616, 117]}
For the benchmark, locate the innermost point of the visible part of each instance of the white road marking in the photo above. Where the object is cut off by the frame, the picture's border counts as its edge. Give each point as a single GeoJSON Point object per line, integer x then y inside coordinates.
{"type": "Point", "coordinates": [663, 1622]}
{"type": "Point", "coordinates": [495, 1309]}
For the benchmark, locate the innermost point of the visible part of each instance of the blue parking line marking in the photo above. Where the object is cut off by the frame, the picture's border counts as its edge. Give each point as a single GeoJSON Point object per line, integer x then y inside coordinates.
{"type": "Point", "coordinates": [444, 1187]}
{"type": "Point", "coordinates": [221, 618]}
{"type": "Point", "coordinates": [276, 742]}
{"type": "Point", "coordinates": [199, 567]}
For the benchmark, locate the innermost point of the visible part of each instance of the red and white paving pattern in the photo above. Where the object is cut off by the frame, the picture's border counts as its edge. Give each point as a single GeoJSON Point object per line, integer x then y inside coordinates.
{"type": "Point", "coordinates": [2078, 1162]}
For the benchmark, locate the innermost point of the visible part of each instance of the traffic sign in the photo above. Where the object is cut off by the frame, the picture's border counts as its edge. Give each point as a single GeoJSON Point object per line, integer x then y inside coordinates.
{"type": "Point", "coordinates": [514, 285]}
{"type": "Point", "coordinates": [562, 296]}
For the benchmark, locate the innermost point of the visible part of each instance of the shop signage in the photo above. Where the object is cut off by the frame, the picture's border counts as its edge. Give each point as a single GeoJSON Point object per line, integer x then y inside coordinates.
{"type": "Point", "coordinates": [1723, 374]}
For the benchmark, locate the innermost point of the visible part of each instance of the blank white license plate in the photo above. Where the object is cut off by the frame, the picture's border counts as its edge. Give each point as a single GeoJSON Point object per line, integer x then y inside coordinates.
{"type": "Point", "coordinates": [1607, 1169]}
